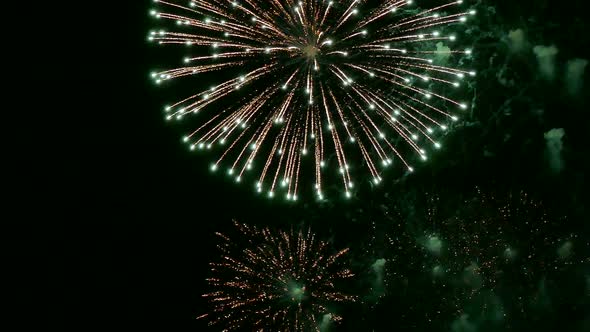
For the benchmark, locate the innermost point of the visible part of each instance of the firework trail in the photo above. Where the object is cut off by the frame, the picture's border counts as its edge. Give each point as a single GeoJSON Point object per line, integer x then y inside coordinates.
{"type": "Point", "coordinates": [335, 82]}
{"type": "Point", "coordinates": [279, 281]}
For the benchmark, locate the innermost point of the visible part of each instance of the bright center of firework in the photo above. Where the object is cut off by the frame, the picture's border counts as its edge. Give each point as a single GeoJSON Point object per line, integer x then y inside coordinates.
{"type": "Point", "coordinates": [297, 292]}
{"type": "Point", "coordinates": [310, 50]}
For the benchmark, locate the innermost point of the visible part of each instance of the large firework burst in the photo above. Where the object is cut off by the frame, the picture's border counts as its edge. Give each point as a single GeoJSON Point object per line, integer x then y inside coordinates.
{"type": "Point", "coordinates": [332, 81]}
{"type": "Point", "coordinates": [279, 281]}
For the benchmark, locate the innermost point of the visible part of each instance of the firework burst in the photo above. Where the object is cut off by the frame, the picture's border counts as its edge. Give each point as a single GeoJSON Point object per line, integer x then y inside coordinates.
{"type": "Point", "coordinates": [461, 250]}
{"type": "Point", "coordinates": [330, 81]}
{"type": "Point", "coordinates": [283, 281]}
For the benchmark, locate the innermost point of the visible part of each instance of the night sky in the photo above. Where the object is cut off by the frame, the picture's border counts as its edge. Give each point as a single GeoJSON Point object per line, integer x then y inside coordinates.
{"type": "Point", "coordinates": [147, 209]}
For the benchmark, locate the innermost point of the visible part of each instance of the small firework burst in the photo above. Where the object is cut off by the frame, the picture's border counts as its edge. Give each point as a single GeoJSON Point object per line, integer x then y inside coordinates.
{"type": "Point", "coordinates": [279, 281]}
{"type": "Point", "coordinates": [472, 243]}
{"type": "Point", "coordinates": [461, 251]}
{"type": "Point", "coordinates": [355, 86]}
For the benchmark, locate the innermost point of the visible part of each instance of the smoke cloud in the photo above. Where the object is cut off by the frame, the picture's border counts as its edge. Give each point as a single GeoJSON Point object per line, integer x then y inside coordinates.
{"type": "Point", "coordinates": [574, 75]}
{"type": "Point", "coordinates": [517, 40]}
{"type": "Point", "coordinates": [554, 145]}
{"type": "Point", "coordinates": [546, 59]}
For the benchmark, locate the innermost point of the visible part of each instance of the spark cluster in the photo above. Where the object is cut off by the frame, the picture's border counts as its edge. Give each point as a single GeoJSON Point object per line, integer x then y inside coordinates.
{"type": "Point", "coordinates": [486, 236]}
{"type": "Point", "coordinates": [458, 250]}
{"type": "Point", "coordinates": [502, 246]}
{"type": "Point", "coordinates": [334, 82]}
{"type": "Point", "coordinates": [277, 281]}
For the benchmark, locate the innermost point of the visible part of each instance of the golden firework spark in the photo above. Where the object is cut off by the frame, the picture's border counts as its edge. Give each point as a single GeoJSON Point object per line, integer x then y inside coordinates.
{"type": "Point", "coordinates": [280, 281]}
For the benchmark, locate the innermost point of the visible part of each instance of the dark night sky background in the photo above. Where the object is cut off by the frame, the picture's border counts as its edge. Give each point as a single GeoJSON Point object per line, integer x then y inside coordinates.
{"type": "Point", "coordinates": [144, 209]}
